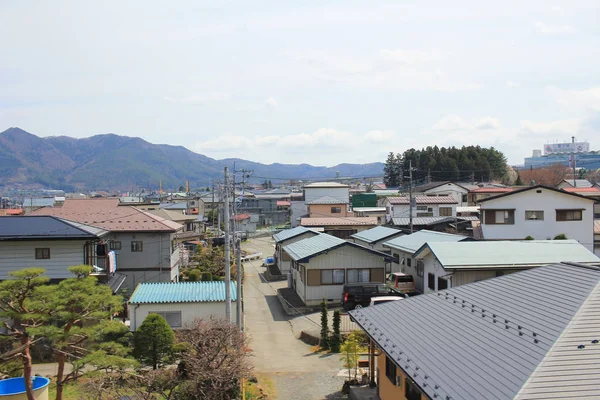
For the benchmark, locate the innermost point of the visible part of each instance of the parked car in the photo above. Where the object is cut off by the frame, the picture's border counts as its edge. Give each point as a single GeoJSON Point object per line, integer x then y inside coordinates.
{"type": "Point", "coordinates": [358, 295]}
{"type": "Point", "coordinates": [401, 282]}
{"type": "Point", "coordinates": [384, 299]}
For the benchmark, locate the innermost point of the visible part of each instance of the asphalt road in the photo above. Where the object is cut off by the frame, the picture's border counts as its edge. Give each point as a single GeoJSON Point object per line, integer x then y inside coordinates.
{"type": "Point", "coordinates": [297, 372]}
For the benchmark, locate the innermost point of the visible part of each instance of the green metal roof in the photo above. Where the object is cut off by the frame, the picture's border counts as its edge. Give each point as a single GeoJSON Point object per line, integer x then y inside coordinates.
{"type": "Point", "coordinates": [376, 234]}
{"type": "Point", "coordinates": [291, 233]}
{"type": "Point", "coordinates": [506, 254]}
{"type": "Point", "coordinates": [181, 292]}
{"type": "Point", "coordinates": [413, 242]}
{"type": "Point", "coordinates": [312, 246]}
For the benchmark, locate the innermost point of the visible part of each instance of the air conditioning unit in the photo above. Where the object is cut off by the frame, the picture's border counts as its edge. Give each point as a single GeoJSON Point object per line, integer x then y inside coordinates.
{"type": "Point", "coordinates": [398, 380]}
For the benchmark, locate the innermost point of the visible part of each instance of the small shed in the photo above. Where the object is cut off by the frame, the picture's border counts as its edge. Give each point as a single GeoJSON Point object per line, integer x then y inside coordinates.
{"type": "Point", "coordinates": [180, 303]}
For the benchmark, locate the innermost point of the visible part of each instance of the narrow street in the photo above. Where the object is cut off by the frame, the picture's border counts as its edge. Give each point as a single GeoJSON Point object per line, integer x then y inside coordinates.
{"type": "Point", "coordinates": [296, 371]}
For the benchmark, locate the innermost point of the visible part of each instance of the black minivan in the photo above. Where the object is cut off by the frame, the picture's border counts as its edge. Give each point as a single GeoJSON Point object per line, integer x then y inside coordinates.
{"type": "Point", "coordinates": [358, 295]}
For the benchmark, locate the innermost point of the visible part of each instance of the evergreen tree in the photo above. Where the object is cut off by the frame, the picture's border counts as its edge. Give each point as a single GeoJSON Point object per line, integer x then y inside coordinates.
{"type": "Point", "coordinates": [518, 182]}
{"type": "Point", "coordinates": [324, 327]}
{"type": "Point", "coordinates": [392, 170]}
{"type": "Point", "coordinates": [153, 341]}
{"type": "Point", "coordinates": [337, 337]}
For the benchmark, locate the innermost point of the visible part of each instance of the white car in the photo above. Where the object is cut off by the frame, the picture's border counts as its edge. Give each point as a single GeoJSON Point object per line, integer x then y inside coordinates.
{"type": "Point", "coordinates": [384, 299]}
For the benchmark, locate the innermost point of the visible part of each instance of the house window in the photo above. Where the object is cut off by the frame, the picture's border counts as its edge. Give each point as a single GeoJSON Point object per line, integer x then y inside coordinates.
{"type": "Point", "coordinates": [189, 226]}
{"type": "Point", "coordinates": [390, 370]}
{"type": "Point", "coordinates": [419, 268]}
{"type": "Point", "coordinates": [137, 246]}
{"type": "Point", "coordinates": [411, 392]}
{"type": "Point", "coordinates": [464, 198]}
{"type": "Point", "coordinates": [421, 208]}
{"type": "Point", "coordinates": [445, 211]}
{"type": "Point", "coordinates": [332, 277]}
{"type": "Point", "coordinates": [397, 258]}
{"type": "Point", "coordinates": [442, 283]}
{"type": "Point", "coordinates": [499, 217]}
{"type": "Point", "coordinates": [42, 253]}
{"type": "Point", "coordinates": [424, 214]}
{"type": "Point", "coordinates": [431, 281]}
{"type": "Point", "coordinates": [114, 245]}
{"type": "Point", "coordinates": [336, 210]}
{"type": "Point", "coordinates": [173, 318]}
{"type": "Point", "coordinates": [302, 273]}
{"type": "Point", "coordinates": [569, 215]}
{"type": "Point", "coordinates": [359, 275]}
{"type": "Point", "coordinates": [408, 262]}
{"type": "Point", "coordinates": [534, 215]}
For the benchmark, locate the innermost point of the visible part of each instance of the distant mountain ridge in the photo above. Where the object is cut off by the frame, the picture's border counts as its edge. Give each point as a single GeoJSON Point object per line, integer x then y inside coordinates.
{"type": "Point", "coordinates": [110, 161]}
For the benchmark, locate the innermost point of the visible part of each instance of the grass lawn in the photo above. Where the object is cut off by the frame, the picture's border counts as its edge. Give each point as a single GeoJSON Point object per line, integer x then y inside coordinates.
{"type": "Point", "coordinates": [262, 389]}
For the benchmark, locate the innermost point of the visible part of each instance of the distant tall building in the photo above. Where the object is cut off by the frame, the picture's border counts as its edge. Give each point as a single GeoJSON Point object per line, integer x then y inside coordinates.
{"type": "Point", "coordinates": [564, 153]}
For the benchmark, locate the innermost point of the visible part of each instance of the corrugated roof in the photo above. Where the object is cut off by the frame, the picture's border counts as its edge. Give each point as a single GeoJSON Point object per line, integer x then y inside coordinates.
{"type": "Point", "coordinates": [291, 233]}
{"type": "Point", "coordinates": [312, 246]}
{"type": "Point", "coordinates": [405, 221]}
{"type": "Point", "coordinates": [506, 254]}
{"type": "Point", "coordinates": [580, 183]}
{"type": "Point", "coordinates": [181, 292]}
{"type": "Point", "coordinates": [326, 185]}
{"type": "Point", "coordinates": [483, 340]}
{"type": "Point", "coordinates": [413, 242]}
{"type": "Point", "coordinates": [108, 215]}
{"type": "Point", "coordinates": [469, 209]}
{"type": "Point", "coordinates": [39, 202]}
{"type": "Point", "coordinates": [44, 227]}
{"type": "Point", "coordinates": [341, 221]}
{"type": "Point", "coordinates": [326, 200]}
{"type": "Point", "coordinates": [376, 234]}
{"type": "Point", "coordinates": [423, 200]}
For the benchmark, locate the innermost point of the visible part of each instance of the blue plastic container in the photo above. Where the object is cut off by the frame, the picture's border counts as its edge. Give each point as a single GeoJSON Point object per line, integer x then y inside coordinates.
{"type": "Point", "coordinates": [14, 388]}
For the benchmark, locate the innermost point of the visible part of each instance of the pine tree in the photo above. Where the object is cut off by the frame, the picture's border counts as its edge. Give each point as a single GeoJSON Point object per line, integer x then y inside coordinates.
{"type": "Point", "coordinates": [392, 170]}
{"type": "Point", "coordinates": [518, 182]}
{"type": "Point", "coordinates": [153, 341]}
{"type": "Point", "coordinates": [324, 327]}
{"type": "Point", "coordinates": [337, 337]}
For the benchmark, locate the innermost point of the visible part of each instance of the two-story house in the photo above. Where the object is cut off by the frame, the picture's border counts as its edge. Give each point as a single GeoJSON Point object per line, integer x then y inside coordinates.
{"type": "Point", "coordinates": [423, 206]}
{"type": "Point", "coordinates": [286, 237]}
{"type": "Point", "coordinates": [336, 190]}
{"type": "Point", "coordinates": [445, 188]}
{"type": "Point", "coordinates": [540, 212]}
{"type": "Point", "coordinates": [144, 244]}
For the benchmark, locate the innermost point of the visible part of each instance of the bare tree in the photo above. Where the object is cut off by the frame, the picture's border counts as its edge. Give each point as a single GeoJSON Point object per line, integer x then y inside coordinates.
{"type": "Point", "coordinates": [216, 360]}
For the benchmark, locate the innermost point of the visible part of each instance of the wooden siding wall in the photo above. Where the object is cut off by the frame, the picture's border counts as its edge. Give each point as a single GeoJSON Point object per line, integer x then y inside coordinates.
{"type": "Point", "coordinates": [21, 254]}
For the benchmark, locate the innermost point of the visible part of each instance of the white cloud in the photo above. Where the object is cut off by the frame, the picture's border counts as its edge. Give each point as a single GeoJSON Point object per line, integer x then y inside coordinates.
{"type": "Point", "coordinates": [486, 123]}
{"type": "Point", "coordinates": [513, 84]}
{"type": "Point", "coordinates": [450, 122]}
{"type": "Point", "coordinates": [546, 29]}
{"type": "Point", "coordinates": [206, 98]}
{"type": "Point", "coordinates": [586, 99]}
{"type": "Point", "coordinates": [559, 128]}
{"type": "Point", "coordinates": [271, 103]}
{"type": "Point", "coordinates": [379, 136]}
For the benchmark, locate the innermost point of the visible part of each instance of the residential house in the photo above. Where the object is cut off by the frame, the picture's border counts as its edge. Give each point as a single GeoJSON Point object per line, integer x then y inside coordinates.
{"type": "Point", "coordinates": [375, 237]}
{"type": "Point", "coordinates": [11, 211]}
{"type": "Point", "coordinates": [245, 222]}
{"type": "Point", "coordinates": [482, 193]}
{"type": "Point", "coordinates": [403, 251]}
{"type": "Point", "coordinates": [328, 206]}
{"type": "Point", "coordinates": [574, 183]}
{"type": "Point", "coordinates": [31, 204]}
{"type": "Point", "coordinates": [528, 335]}
{"type": "Point", "coordinates": [179, 303]}
{"type": "Point", "coordinates": [446, 188]}
{"type": "Point", "coordinates": [193, 227]}
{"type": "Point", "coordinates": [597, 237]}
{"type": "Point", "coordinates": [463, 225]}
{"type": "Point", "coordinates": [591, 192]}
{"type": "Point", "coordinates": [336, 190]}
{"type": "Point", "coordinates": [54, 244]}
{"type": "Point", "coordinates": [447, 265]}
{"type": "Point", "coordinates": [298, 210]}
{"type": "Point", "coordinates": [423, 206]}
{"type": "Point", "coordinates": [266, 208]}
{"type": "Point", "coordinates": [540, 212]}
{"type": "Point", "coordinates": [144, 243]}
{"type": "Point", "coordinates": [284, 238]}
{"type": "Point", "coordinates": [322, 264]}
{"type": "Point", "coordinates": [341, 227]}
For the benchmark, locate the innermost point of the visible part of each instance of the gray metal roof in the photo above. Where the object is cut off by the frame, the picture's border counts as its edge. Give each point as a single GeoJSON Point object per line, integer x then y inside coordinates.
{"type": "Point", "coordinates": [303, 249]}
{"type": "Point", "coordinates": [413, 242]}
{"type": "Point", "coordinates": [326, 200]}
{"type": "Point", "coordinates": [482, 340]}
{"type": "Point", "coordinates": [581, 183]}
{"type": "Point", "coordinates": [506, 254]}
{"type": "Point", "coordinates": [292, 233]}
{"type": "Point", "coordinates": [38, 202]}
{"type": "Point", "coordinates": [376, 234]}
{"type": "Point", "coordinates": [405, 221]}
{"type": "Point", "coordinates": [37, 227]}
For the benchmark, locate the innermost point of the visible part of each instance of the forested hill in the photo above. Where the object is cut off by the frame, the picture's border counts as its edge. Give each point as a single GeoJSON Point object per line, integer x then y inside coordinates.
{"type": "Point", "coordinates": [446, 164]}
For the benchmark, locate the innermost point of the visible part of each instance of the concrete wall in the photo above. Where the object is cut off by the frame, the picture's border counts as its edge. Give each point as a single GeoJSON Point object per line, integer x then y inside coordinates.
{"type": "Point", "coordinates": [189, 311]}
{"type": "Point", "coordinates": [548, 201]}
{"type": "Point", "coordinates": [15, 255]}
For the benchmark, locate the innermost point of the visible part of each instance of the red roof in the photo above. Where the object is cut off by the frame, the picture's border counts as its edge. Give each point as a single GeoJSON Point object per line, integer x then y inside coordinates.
{"type": "Point", "coordinates": [582, 190]}
{"type": "Point", "coordinates": [424, 200]}
{"type": "Point", "coordinates": [241, 217]}
{"type": "Point", "coordinates": [491, 190]}
{"type": "Point", "coordinates": [283, 203]}
{"type": "Point", "coordinates": [11, 211]}
{"type": "Point", "coordinates": [333, 221]}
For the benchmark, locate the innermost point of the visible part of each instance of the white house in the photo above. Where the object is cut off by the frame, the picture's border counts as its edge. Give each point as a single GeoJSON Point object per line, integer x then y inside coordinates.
{"type": "Point", "coordinates": [403, 249]}
{"type": "Point", "coordinates": [447, 188]}
{"type": "Point", "coordinates": [540, 212]}
{"type": "Point", "coordinates": [285, 237]}
{"type": "Point", "coordinates": [322, 264]}
{"type": "Point", "coordinates": [314, 191]}
{"type": "Point", "coordinates": [375, 237]}
{"type": "Point", "coordinates": [571, 183]}
{"type": "Point", "coordinates": [180, 303]}
{"type": "Point", "coordinates": [447, 265]}
{"type": "Point", "coordinates": [424, 206]}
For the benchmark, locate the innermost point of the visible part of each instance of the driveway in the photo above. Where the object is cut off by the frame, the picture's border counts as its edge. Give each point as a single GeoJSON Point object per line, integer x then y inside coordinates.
{"type": "Point", "coordinates": [296, 371]}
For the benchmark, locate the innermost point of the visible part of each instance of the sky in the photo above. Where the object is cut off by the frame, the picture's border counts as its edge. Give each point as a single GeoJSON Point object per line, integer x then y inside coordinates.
{"type": "Point", "coordinates": [318, 82]}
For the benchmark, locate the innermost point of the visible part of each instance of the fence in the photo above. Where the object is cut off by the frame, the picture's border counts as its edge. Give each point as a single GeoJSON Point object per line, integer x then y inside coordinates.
{"type": "Point", "coordinates": [346, 325]}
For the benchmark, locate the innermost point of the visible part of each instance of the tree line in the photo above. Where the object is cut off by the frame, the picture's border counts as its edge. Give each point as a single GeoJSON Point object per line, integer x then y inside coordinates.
{"type": "Point", "coordinates": [445, 164]}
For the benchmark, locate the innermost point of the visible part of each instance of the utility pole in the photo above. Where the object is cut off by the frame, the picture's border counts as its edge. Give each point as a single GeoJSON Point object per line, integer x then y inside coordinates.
{"type": "Point", "coordinates": [410, 197]}
{"type": "Point", "coordinates": [574, 162]}
{"type": "Point", "coordinates": [226, 249]}
{"type": "Point", "coordinates": [238, 253]}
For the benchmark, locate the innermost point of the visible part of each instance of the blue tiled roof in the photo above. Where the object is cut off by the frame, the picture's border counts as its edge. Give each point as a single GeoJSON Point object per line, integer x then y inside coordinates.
{"type": "Point", "coordinates": [291, 233]}
{"type": "Point", "coordinates": [376, 234]}
{"type": "Point", "coordinates": [181, 292]}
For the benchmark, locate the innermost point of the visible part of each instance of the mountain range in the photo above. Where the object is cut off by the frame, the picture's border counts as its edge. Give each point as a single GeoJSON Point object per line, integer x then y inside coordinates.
{"type": "Point", "coordinates": [114, 162]}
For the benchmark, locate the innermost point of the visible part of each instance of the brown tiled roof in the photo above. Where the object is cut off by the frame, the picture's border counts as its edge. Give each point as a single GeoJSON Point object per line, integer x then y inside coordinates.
{"type": "Point", "coordinates": [241, 217]}
{"type": "Point", "coordinates": [331, 221]}
{"type": "Point", "coordinates": [108, 215]}
{"type": "Point", "coordinates": [11, 211]}
{"type": "Point", "coordinates": [423, 200]}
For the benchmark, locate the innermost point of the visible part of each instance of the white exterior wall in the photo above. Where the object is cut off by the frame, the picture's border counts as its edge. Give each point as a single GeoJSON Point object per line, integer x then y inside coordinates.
{"type": "Point", "coordinates": [548, 201]}
{"type": "Point", "coordinates": [284, 266]}
{"type": "Point", "coordinates": [189, 311]}
{"type": "Point", "coordinates": [345, 257]}
{"type": "Point", "coordinates": [450, 189]}
{"type": "Point", "coordinates": [15, 255]}
{"type": "Point", "coordinates": [342, 194]}
{"type": "Point", "coordinates": [403, 210]}
{"type": "Point", "coordinates": [405, 269]}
